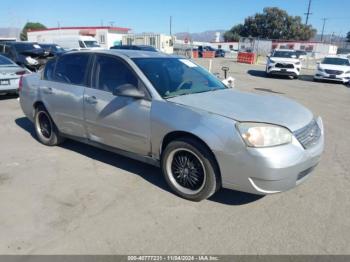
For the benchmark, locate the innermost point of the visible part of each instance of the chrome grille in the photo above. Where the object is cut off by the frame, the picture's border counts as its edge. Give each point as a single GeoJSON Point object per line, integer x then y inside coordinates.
{"type": "Point", "coordinates": [308, 135]}
{"type": "Point", "coordinates": [333, 72]}
{"type": "Point", "coordinates": [281, 65]}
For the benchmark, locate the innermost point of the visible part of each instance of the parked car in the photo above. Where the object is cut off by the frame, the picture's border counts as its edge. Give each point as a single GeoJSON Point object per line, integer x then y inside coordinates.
{"type": "Point", "coordinates": [135, 47]}
{"type": "Point", "coordinates": [53, 49]}
{"type": "Point", "coordinates": [168, 111]}
{"type": "Point", "coordinates": [78, 42]}
{"type": "Point", "coordinates": [10, 74]}
{"type": "Point", "coordinates": [283, 62]}
{"type": "Point", "coordinates": [333, 68]}
{"type": "Point", "coordinates": [220, 53]}
{"type": "Point", "coordinates": [25, 54]}
{"type": "Point", "coordinates": [202, 49]}
{"type": "Point", "coordinates": [301, 54]}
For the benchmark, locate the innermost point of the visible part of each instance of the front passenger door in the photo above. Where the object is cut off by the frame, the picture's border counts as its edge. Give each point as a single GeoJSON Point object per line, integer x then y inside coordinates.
{"type": "Point", "coordinates": [116, 121]}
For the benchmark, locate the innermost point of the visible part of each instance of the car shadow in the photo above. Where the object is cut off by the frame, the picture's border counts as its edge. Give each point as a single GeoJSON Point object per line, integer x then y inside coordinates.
{"type": "Point", "coordinates": [149, 173]}
{"type": "Point", "coordinates": [7, 97]}
{"type": "Point", "coordinates": [257, 73]}
{"type": "Point", "coordinates": [262, 74]}
{"type": "Point", "coordinates": [310, 78]}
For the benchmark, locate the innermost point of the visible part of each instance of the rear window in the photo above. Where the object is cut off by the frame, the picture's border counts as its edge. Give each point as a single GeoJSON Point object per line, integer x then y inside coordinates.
{"type": "Point", "coordinates": [5, 61]}
{"type": "Point", "coordinates": [49, 70]}
{"type": "Point", "coordinates": [26, 47]}
{"type": "Point", "coordinates": [72, 69]}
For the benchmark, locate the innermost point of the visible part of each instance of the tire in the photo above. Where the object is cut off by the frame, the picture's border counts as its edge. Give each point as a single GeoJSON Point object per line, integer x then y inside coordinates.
{"type": "Point", "coordinates": [296, 77]}
{"type": "Point", "coordinates": [197, 178]}
{"type": "Point", "coordinates": [268, 75]}
{"type": "Point", "coordinates": [45, 129]}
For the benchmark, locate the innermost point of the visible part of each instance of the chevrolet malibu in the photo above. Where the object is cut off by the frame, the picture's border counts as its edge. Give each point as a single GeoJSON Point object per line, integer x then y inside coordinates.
{"type": "Point", "coordinates": [170, 112]}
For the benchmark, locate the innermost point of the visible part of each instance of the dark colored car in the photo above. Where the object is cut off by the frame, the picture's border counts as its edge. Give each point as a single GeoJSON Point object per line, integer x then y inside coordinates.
{"type": "Point", "coordinates": [202, 49]}
{"type": "Point", "coordinates": [25, 54]}
{"type": "Point", "coordinates": [220, 53]}
{"type": "Point", "coordinates": [53, 49]}
{"type": "Point", "coordinates": [135, 47]}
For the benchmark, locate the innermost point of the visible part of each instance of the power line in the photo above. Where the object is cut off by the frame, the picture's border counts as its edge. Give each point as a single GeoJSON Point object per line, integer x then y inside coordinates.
{"type": "Point", "coordinates": [308, 12]}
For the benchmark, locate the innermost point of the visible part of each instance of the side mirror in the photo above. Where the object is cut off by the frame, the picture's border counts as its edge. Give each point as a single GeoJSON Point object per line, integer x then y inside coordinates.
{"type": "Point", "coordinates": [268, 55]}
{"type": "Point", "coordinates": [128, 90]}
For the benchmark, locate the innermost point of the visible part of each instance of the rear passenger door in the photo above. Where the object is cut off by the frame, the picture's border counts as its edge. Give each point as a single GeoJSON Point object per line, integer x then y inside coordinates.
{"type": "Point", "coordinates": [62, 92]}
{"type": "Point", "coordinates": [119, 122]}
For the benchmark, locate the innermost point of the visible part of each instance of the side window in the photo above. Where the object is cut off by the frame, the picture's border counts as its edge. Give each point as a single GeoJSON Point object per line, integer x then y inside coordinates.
{"type": "Point", "coordinates": [111, 73]}
{"type": "Point", "coordinates": [71, 69]}
{"type": "Point", "coordinates": [81, 44]}
{"type": "Point", "coordinates": [1, 48]}
{"type": "Point", "coordinates": [49, 68]}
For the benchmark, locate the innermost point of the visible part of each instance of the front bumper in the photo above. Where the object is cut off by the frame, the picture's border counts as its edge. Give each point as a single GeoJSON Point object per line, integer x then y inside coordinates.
{"type": "Point", "coordinates": [344, 78]}
{"type": "Point", "coordinates": [271, 69]}
{"type": "Point", "coordinates": [270, 170]}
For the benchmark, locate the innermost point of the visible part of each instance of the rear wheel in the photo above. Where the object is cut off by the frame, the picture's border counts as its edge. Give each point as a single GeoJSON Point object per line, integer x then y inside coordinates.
{"type": "Point", "coordinates": [45, 129]}
{"type": "Point", "coordinates": [190, 169]}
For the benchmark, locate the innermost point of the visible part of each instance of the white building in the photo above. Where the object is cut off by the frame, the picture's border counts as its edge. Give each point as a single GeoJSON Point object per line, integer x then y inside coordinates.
{"type": "Point", "coordinates": [317, 49]}
{"type": "Point", "coordinates": [226, 46]}
{"type": "Point", "coordinates": [106, 36]}
{"type": "Point", "coordinates": [164, 43]}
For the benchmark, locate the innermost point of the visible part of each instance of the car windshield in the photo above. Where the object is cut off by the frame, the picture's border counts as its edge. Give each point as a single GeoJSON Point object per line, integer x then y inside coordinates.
{"type": "Point", "coordinates": [173, 77]}
{"type": "Point", "coordinates": [284, 54]}
{"type": "Point", "coordinates": [90, 44]}
{"type": "Point", "coordinates": [6, 62]}
{"type": "Point", "coordinates": [336, 61]}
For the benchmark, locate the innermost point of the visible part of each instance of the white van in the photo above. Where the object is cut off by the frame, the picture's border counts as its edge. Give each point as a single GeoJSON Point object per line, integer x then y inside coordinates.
{"type": "Point", "coordinates": [77, 42]}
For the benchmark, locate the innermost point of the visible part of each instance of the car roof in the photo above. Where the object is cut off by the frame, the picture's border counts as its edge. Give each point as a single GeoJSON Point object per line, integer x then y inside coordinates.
{"type": "Point", "coordinates": [19, 43]}
{"type": "Point", "coordinates": [129, 53]}
{"type": "Point", "coordinates": [285, 50]}
{"type": "Point", "coordinates": [336, 56]}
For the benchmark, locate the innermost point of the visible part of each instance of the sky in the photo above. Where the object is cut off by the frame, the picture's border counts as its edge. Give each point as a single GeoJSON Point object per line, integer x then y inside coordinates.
{"type": "Point", "coordinates": [153, 15]}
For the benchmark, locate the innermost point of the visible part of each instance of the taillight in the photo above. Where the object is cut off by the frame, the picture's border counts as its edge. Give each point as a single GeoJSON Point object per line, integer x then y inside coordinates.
{"type": "Point", "coordinates": [20, 73]}
{"type": "Point", "coordinates": [20, 84]}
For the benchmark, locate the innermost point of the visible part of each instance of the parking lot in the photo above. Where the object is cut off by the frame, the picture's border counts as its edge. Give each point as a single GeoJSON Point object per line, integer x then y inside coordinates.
{"type": "Point", "coordinates": [76, 199]}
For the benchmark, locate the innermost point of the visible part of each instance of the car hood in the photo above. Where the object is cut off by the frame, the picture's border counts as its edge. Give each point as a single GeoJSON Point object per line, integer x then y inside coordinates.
{"type": "Point", "coordinates": [243, 106]}
{"type": "Point", "coordinates": [285, 60]}
{"type": "Point", "coordinates": [335, 67]}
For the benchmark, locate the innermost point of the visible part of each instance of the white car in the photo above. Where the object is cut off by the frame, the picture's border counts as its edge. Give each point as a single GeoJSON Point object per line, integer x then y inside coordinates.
{"type": "Point", "coordinates": [283, 62]}
{"type": "Point", "coordinates": [333, 68]}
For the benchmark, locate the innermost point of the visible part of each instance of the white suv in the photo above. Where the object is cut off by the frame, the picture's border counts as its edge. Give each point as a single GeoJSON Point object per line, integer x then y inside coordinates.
{"type": "Point", "coordinates": [333, 68]}
{"type": "Point", "coordinates": [283, 62]}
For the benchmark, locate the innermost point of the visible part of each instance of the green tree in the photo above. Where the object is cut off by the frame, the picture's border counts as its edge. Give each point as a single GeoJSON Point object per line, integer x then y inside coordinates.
{"type": "Point", "coordinates": [273, 23]}
{"type": "Point", "coordinates": [348, 37]}
{"type": "Point", "coordinates": [30, 26]}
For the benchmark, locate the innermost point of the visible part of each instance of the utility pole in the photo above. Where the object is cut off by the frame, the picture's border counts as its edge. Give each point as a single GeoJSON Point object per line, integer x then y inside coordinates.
{"type": "Point", "coordinates": [308, 12]}
{"type": "Point", "coordinates": [324, 24]}
{"type": "Point", "coordinates": [171, 25]}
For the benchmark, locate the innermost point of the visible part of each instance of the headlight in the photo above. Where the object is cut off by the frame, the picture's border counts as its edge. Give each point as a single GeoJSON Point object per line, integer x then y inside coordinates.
{"type": "Point", "coordinates": [297, 63]}
{"type": "Point", "coordinates": [31, 61]}
{"type": "Point", "coordinates": [347, 72]}
{"type": "Point", "coordinates": [320, 69]}
{"type": "Point", "coordinates": [264, 135]}
{"type": "Point", "coordinates": [271, 61]}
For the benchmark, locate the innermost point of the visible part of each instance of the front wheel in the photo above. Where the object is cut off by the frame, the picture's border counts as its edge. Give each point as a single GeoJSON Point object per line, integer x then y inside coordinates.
{"type": "Point", "coordinates": [190, 169]}
{"type": "Point", "coordinates": [45, 129]}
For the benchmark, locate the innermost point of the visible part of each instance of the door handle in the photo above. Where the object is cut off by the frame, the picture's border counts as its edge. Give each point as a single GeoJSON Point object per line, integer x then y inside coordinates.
{"type": "Point", "coordinates": [91, 100]}
{"type": "Point", "coordinates": [48, 91]}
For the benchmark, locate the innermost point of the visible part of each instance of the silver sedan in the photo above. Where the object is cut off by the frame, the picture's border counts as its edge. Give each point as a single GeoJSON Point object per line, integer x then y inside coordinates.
{"type": "Point", "coordinates": [170, 112]}
{"type": "Point", "coordinates": [10, 74]}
